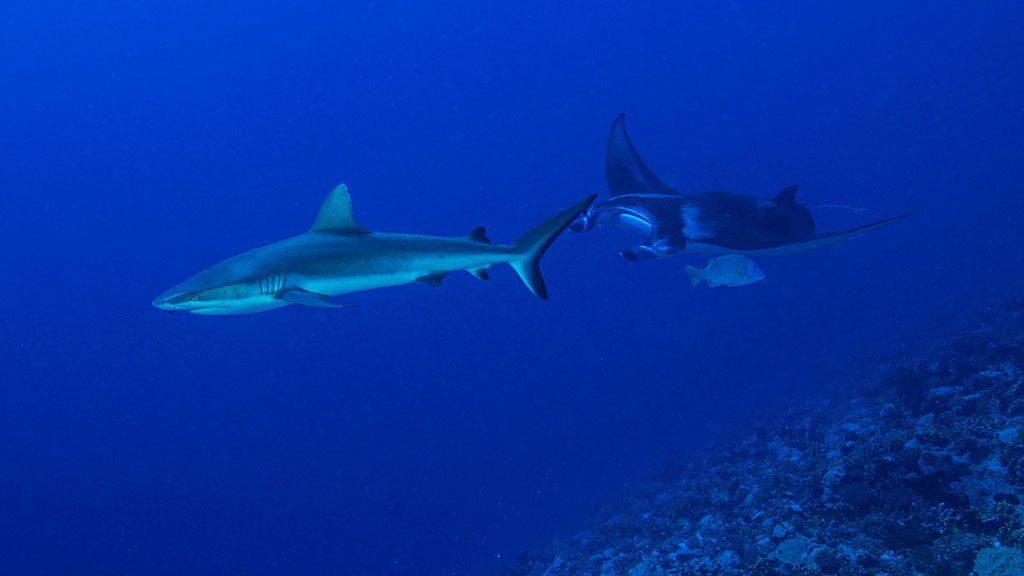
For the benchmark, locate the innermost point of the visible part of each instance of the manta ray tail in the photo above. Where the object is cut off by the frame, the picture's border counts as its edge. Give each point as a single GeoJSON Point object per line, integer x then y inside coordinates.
{"type": "Point", "coordinates": [532, 246]}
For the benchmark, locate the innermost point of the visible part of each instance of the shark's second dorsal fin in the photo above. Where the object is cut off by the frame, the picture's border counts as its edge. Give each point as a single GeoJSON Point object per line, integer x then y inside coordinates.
{"type": "Point", "coordinates": [479, 234]}
{"type": "Point", "coordinates": [336, 214]}
{"type": "Point", "coordinates": [787, 197]}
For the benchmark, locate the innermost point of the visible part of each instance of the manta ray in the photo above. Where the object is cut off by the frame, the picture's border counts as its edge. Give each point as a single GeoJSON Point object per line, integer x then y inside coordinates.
{"type": "Point", "coordinates": [709, 222]}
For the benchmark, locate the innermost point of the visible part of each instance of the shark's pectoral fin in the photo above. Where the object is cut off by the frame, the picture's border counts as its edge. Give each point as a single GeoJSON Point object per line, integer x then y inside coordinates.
{"type": "Point", "coordinates": [432, 279]}
{"type": "Point", "coordinates": [307, 298]}
{"type": "Point", "coordinates": [481, 273]}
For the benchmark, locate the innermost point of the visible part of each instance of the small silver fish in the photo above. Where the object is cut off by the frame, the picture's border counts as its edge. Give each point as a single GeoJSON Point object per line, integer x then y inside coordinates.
{"type": "Point", "coordinates": [731, 270]}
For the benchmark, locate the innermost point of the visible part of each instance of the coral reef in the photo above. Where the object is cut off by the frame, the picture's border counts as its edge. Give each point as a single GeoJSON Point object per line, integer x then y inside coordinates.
{"type": "Point", "coordinates": [919, 471]}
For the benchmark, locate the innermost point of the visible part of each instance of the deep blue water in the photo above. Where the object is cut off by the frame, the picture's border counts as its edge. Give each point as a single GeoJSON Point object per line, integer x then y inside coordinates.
{"type": "Point", "coordinates": [440, 431]}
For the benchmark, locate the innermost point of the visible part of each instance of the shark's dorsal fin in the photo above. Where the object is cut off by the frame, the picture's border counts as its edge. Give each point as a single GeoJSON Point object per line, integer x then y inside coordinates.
{"type": "Point", "coordinates": [787, 197]}
{"type": "Point", "coordinates": [479, 234]}
{"type": "Point", "coordinates": [336, 214]}
{"type": "Point", "coordinates": [625, 171]}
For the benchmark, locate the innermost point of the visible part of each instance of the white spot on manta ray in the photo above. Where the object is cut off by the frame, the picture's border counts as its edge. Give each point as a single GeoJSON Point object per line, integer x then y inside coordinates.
{"type": "Point", "coordinates": [692, 227]}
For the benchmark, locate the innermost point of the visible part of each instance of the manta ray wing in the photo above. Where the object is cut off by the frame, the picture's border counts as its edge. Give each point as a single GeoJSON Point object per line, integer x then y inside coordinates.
{"type": "Point", "coordinates": [625, 171]}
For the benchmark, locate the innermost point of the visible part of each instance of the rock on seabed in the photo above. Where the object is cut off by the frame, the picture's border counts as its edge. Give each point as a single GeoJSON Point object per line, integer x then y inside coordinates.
{"type": "Point", "coordinates": [919, 471]}
{"type": "Point", "coordinates": [999, 562]}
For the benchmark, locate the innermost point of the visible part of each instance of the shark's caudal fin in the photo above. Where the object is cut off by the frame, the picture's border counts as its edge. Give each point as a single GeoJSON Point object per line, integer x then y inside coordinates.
{"type": "Point", "coordinates": [534, 243]}
{"type": "Point", "coordinates": [625, 171]}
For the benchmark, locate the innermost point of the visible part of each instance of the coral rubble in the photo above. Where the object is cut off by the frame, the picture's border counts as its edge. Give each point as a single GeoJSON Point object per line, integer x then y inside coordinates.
{"type": "Point", "coordinates": [919, 471]}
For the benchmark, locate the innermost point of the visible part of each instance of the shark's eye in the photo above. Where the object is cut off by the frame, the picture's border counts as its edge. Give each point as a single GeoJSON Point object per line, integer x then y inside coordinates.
{"type": "Point", "coordinates": [194, 296]}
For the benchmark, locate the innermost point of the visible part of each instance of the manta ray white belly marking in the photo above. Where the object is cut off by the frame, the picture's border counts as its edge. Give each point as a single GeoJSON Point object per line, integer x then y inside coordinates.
{"type": "Point", "coordinates": [633, 222]}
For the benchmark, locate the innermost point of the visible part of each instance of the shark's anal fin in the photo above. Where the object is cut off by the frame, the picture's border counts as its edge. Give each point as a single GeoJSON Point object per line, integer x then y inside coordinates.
{"type": "Point", "coordinates": [432, 279]}
{"type": "Point", "coordinates": [336, 214]}
{"type": "Point", "coordinates": [307, 298]}
{"type": "Point", "coordinates": [479, 234]}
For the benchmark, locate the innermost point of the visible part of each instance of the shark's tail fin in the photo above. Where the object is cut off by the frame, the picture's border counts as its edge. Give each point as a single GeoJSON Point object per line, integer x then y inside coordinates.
{"type": "Point", "coordinates": [532, 245]}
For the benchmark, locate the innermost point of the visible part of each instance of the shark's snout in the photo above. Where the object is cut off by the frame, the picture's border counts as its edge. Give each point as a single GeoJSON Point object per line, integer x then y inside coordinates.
{"type": "Point", "coordinates": [177, 298]}
{"type": "Point", "coordinates": [165, 301]}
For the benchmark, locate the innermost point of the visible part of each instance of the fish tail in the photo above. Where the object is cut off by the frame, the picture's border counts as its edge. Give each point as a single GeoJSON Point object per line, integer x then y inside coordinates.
{"type": "Point", "coordinates": [532, 246]}
{"type": "Point", "coordinates": [694, 274]}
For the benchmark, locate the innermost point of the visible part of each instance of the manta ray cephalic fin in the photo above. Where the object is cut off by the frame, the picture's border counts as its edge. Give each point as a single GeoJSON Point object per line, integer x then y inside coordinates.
{"type": "Point", "coordinates": [641, 252]}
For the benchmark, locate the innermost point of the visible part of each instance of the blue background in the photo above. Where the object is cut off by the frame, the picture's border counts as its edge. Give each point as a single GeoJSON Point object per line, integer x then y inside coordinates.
{"type": "Point", "coordinates": [440, 431]}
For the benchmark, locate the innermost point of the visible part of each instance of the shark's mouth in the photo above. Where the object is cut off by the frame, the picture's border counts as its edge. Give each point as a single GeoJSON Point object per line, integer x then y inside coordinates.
{"type": "Point", "coordinates": [208, 310]}
{"type": "Point", "coordinates": [195, 308]}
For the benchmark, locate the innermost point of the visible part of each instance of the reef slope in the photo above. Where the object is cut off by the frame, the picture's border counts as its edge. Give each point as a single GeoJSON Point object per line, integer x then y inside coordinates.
{"type": "Point", "coordinates": [918, 470]}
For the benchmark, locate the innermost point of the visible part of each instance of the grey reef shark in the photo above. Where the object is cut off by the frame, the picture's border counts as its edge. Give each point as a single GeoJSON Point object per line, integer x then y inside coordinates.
{"type": "Point", "coordinates": [338, 256]}
{"type": "Point", "coordinates": [709, 222]}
